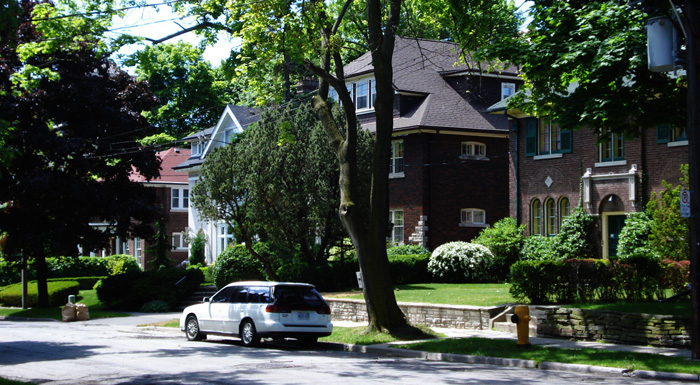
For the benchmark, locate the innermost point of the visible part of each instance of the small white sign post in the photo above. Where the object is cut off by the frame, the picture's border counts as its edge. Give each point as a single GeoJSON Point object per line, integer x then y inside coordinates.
{"type": "Point", "coordinates": [685, 204]}
{"type": "Point", "coordinates": [359, 279]}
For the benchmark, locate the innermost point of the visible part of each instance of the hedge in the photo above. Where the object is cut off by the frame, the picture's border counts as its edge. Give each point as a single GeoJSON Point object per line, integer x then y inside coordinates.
{"type": "Point", "coordinates": [131, 290]}
{"type": "Point", "coordinates": [407, 269]}
{"type": "Point", "coordinates": [58, 293]}
{"type": "Point", "coordinates": [587, 280]}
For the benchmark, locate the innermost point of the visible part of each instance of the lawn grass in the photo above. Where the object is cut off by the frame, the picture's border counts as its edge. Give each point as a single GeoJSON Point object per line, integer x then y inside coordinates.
{"type": "Point", "coordinates": [474, 294]}
{"type": "Point", "coordinates": [360, 335]}
{"type": "Point", "coordinates": [508, 349]}
{"type": "Point", "coordinates": [493, 294]}
{"type": "Point", "coordinates": [88, 297]}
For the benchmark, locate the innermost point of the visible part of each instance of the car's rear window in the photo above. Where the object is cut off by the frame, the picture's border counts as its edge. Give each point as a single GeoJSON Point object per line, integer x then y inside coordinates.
{"type": "Point", "coordinates": [297, 297]}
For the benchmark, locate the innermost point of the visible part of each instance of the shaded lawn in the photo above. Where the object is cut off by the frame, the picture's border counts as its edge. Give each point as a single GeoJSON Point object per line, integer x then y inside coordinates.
{"type": "Point", "coordinates": [88, 297]}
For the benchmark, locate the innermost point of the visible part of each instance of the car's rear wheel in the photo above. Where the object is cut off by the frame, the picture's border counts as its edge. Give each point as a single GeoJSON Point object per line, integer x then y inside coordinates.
{"type": "Point", "coordinates": [192, 329]}
{"type": "Point", "coordinates": [249, 336]}
{"type": "Point", "coordinates": [308, 342]}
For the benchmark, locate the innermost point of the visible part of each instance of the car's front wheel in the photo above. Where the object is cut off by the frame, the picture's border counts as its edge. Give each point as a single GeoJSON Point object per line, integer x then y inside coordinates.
{"type": "Point", "coordinates": [249, 336]}
{"type": "Point", "coordinates": [192, 329]}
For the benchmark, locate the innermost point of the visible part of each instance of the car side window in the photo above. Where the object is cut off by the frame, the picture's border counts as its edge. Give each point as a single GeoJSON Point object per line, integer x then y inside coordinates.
{"type": "Point", "coordinates": [240, 295]}
{"type": "Point", "coordinates": [223, 295]}
{"type": "Point", "coordinates": [259, 295]}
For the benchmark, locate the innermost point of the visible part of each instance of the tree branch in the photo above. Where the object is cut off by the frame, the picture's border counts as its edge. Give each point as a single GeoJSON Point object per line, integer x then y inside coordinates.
{"type": "Point", "coordinates": [197, 27]}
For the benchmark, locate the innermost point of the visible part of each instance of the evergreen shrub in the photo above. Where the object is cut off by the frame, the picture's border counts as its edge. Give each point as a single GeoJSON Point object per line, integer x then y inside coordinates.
{"type": "Point", "coordinates": [505, 240]}
{"type": "Point", "coordinates": [236, 264]}
{"type": "Point", "coordinates": [538, 248]}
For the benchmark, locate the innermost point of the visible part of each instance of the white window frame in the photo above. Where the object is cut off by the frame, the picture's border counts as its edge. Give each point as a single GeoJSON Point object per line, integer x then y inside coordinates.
{"type": "Point", "coordinates": [197, 147]}
{"type": "Point", "coordinates": [396, 164]}
{"type": "Point", "coordinates": [179, 241]}
{"type": "Point", "coordinates": [179, 198]}
{"type": "Point", "coordinates": [396, 217]}
{"type": "Point", "coordinates": [469, 150]}
{"type": "Point", "coordinates": [507, 89]}
{"type": "Point", "coordinates": [138, 249]}
{"type": "Point", "coordinates": [224, 237]}
{"type": "Point", "coordinates": [362, 92]}
{"type": "Point", "coordinates": [472, 217]}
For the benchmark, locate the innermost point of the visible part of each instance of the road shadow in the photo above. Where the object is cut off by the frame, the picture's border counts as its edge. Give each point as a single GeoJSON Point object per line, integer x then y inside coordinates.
{"type": "Point", "coordinates": [20, 352]}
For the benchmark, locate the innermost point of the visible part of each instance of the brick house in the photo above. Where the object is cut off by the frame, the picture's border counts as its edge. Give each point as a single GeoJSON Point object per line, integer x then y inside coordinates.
{"type": "Point", "coordinates": [172, 192]}
{"type": "Point", "coordinates": [553, 169]}
{"type": "Point", "coordinates": [449, 163]}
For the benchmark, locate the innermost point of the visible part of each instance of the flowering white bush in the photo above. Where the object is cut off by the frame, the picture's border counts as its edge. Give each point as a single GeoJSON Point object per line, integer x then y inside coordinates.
{"type": "Point", "coordinates": [461, 262]}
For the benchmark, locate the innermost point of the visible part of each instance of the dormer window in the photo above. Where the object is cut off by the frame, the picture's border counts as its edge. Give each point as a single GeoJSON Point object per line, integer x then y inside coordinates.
{"type": "Point", "coordinates": [507, 89]}
{"type": "Point", "coordinates": [197, 147]}
{"type": "Point", "coordinates": [363, 93]}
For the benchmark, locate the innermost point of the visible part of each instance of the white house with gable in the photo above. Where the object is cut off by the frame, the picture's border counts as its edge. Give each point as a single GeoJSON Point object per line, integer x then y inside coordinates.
{"type": "Point", "coordinates": [233, 120]}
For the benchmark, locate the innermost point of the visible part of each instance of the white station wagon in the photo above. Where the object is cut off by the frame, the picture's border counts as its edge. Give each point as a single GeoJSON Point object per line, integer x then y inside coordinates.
{"type": "Point", "coordinates": [253, 310]}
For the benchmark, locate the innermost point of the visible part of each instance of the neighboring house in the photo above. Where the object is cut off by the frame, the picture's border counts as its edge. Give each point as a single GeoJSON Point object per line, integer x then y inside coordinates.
{"type": "Point", "coordinates": [172, 193]}
{"type": "Point", "coordinates": [553, 169]}
{"type": "Point", "coordinates": [233, 120]}
{"type": "Point", "coordinates": [449, 162]}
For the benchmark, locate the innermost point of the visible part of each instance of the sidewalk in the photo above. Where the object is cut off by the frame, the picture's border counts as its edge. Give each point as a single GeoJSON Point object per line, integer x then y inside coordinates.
{"type": "Point", "coordinates": [547, 342]}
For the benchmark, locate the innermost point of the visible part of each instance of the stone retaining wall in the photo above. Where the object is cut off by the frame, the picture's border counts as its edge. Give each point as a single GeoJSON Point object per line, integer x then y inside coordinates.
{"type": "Point", "coordinates": [445, 316]}
{"type": "Point", "coordinates": [612, 326]}
{"type": "Point", "coordinates": [550, 321]}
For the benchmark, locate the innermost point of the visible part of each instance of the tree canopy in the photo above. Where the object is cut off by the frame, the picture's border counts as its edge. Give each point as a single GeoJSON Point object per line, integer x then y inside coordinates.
{"type": "Point", "coordinates": [189, 91]}
{"type": "Point", "coordinates": [585, 63]}
{"type": "Point", "coordinates": [72, 118]}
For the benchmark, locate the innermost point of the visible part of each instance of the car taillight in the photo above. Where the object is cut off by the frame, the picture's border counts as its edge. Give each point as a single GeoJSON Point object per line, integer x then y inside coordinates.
{"type": "Point", "coordinates": [324, 310]}
{"type": "Point", "coordinates": [277, 309]}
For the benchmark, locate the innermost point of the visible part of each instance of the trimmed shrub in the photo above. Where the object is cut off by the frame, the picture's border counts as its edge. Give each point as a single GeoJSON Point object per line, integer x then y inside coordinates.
{"type": "Point", "coordinates": [461, 262]}
{"type": "Point", "coordinates": [574, 240]}
{"type": "Point", "coordinates": [155, 306]}
{"type": "Point", "coordinates": [407, 269]}
{"type": "Point", "coordinates": [538, 248]}
{"type": "Point", "coordinates": [586, 280]}
{"type": "Point", "coordinates": [325, 276]}
{"type": "Point", "coordinates": [675, 275]}
{"type": "Point", "coordinates": [236, 264]}
{"type": "Point", "coordinates": [130, 291]}
{"type": "Point", "coordinates": [634, 237]}
{"type": "Point", "coordinates": [122, 264]}
{"type": "Point", "coordinates": [505, 240]}
{"type": "Point", "coordinates": [58, 293]}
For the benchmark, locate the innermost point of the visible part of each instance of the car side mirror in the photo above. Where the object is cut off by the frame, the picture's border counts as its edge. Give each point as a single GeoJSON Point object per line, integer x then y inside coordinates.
{"type": "Point", "coordinates": [205, 299]}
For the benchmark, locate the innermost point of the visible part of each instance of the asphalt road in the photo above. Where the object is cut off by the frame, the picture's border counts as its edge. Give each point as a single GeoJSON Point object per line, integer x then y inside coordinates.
{"type": "Point", "coordinates": [105, 352]}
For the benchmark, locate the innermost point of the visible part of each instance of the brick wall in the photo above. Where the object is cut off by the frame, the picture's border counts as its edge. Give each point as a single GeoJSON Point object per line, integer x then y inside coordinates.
{"type": "Point", "coordinates": [612, 187]}
{"type": "Point", "coordinates": [438, 184]}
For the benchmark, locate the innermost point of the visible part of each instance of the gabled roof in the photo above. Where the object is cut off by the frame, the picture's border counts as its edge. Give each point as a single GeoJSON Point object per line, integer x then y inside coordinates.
{"type": "Point", "coordinates": [235, 118]}
{"type": "Point", "coordinates": [420, 67]}
{"type": "Point", "coordinates": [169, 160]}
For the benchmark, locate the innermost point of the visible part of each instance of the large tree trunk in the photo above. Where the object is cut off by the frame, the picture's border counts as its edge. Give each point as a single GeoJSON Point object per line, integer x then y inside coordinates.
{"type": "Point", "coordinates": [370, 242]}
{"type": "Point", "coordinates": [41, 277]}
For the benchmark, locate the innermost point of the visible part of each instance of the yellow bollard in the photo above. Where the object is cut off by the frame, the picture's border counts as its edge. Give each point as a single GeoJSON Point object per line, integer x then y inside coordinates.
{"type": "Point", "coordinates": [521, 319]}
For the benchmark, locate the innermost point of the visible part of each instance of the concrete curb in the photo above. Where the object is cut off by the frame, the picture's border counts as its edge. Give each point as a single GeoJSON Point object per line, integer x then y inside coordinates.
{"type": "Point", "coordinates": [385, 349]}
